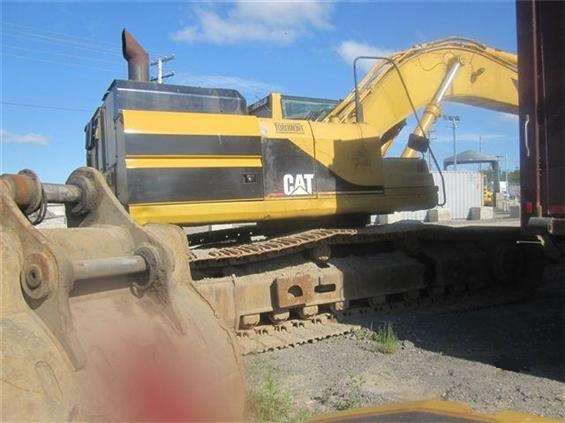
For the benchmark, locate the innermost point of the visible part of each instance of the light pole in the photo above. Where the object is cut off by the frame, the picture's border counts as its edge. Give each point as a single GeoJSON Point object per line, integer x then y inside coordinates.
{"type": "Point", "coordinates": [480, 151]}
{"type": "Point", "coordinates": [453, 121]}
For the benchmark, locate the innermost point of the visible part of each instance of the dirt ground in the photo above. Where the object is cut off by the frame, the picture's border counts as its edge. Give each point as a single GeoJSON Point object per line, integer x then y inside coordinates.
{"type": "Point", "coordinates": [502, 357]}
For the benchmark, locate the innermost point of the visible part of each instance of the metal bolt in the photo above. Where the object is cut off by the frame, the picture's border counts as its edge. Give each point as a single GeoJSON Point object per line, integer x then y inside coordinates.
{"type": "Point", "coordinates": [34, 277]}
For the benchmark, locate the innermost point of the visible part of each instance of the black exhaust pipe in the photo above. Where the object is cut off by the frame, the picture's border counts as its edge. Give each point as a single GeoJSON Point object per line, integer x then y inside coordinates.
{"type": "Point", "coordinates": [137, 58]}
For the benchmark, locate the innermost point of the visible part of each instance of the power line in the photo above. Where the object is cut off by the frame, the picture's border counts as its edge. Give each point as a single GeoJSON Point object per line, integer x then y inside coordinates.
{"type": "Point", "coordinates": [35, 59]}
{"type": "Point", "coordinates": [40, 106]}
{"type": "Point", "coordinates": [73, 56]}
{"type": "Point", "coordinates": [60, 41]}
{"type": "Point", "coordinates": [89, 39]}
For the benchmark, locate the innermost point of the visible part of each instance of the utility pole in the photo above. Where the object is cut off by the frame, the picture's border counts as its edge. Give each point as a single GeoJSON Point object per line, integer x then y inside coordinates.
{"type": "Point", "coordinates": [453, 121]}
{"type": "Point", "coordinates": [480, 151]}
{"type": "Point", "coordinates": [430, 138]}
{"type": "Point", "coordinates": [159, 63]}
{"type": "Point", "coordinates": [506, 171]}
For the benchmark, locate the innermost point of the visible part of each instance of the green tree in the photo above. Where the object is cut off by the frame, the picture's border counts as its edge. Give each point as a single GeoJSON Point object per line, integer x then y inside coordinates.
{"type": "Point", "coordinates": [514, 177]}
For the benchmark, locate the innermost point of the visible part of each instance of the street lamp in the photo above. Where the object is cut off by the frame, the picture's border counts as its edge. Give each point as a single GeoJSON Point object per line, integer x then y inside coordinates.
{"type": "Point", "coordinates": [453, 121]}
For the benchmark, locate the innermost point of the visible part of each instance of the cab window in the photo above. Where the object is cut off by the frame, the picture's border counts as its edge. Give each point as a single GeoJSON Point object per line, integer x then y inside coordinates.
{"type": "Point", "coordinates": [262, 108]}
{"type": "Point", "coordinates": [306, 108]}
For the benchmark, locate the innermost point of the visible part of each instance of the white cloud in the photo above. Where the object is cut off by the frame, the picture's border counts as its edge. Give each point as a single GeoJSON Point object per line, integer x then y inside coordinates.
{"type": "Point", "coordinates": [248, 87]}
{"type": "Point", "coordinates": [281, 22]}
{"type": "Point", "coordinates": [349, 50]}
{"type": "Point", "coordinates": [29, 138]}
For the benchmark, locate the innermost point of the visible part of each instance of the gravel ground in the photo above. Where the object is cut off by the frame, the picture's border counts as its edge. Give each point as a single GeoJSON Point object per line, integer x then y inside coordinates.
{"type": "Point", "coordinates": [502, 357]}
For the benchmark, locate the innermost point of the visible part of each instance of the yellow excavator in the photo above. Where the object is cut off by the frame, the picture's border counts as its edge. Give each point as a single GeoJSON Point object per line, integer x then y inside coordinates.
{"type": "Point", "coordinates": [194, 156]}
{"type": "Point", "coordinates": [116, 318]}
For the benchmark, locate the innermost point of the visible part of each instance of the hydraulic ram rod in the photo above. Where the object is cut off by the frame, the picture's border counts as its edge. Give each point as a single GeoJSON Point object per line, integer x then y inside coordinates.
{"type": "Point", "coordinates": [61, 193]}
{"type": "Point", "coordinates": [105, 267]}
{"type": "Point", "coordinates": [28, 192]}
{"type": "Point", "coordinates": [433, 109]}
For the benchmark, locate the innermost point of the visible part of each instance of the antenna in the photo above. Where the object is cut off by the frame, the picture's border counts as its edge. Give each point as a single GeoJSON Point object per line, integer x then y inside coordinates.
{"type": "Point", "coordinates": [159, 63]}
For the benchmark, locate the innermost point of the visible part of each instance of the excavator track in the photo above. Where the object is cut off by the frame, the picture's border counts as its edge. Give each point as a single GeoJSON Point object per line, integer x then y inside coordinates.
{"type": "Point", "coordinates": [301, 241]}
{"type": "Point", "coordinates": [291, 334]}
{"type": "Point", "coordinates": [442, 255]}
{"type": "Point", "coordinates": [297, 332]}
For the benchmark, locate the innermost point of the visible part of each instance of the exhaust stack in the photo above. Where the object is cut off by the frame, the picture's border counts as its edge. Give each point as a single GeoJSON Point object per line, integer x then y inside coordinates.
{"type": "Point", "coordinates": [137, 58]}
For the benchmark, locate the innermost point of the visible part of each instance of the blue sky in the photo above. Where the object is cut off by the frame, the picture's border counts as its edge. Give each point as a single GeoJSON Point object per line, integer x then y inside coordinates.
{"type": "Point", "coordinates": [65, 55]}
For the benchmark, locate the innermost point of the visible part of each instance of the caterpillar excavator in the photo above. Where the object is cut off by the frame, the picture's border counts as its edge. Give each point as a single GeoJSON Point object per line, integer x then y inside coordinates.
{"type": "Point", "coordinates": [193, 156]}
{"type": "Point", "coordinates": [116, 317]}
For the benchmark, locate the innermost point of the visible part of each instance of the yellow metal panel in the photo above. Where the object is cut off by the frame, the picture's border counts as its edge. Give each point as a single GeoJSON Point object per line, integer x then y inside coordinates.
{"type": "Point", "coordinates": [455, 410]}
{"type": "Point", "coordinates": [258, 210]}
{"type": "Point", "coordinates": [349, 150]}
{"type": "Point", "coordinates": [175, 123]}
{"type": "Point", "coordinates": [276, 107]}
{"type": "Point", "coordinates": [142, 162]}
{"type": "Point", "coordinates": [297, 131]}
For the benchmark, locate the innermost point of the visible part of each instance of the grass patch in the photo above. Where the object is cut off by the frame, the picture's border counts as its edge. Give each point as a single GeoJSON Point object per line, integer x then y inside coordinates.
{"type": "Point", "coordinates": [270, 403]}
{"type": "Point", "coordinates": [383, 340]}
{"type": "Point", "coordinates": [352, 396]}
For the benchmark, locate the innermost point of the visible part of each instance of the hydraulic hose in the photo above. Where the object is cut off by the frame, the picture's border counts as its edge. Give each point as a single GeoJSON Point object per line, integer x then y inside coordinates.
{"type": "Point", "coordinates": [415, 113]}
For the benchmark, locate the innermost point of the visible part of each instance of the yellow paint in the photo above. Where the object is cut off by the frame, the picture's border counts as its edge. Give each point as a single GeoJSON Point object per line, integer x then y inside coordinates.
{"type": "Point", "coordinates": [146, 162]}
{"type": "Point", "coordinates": [276, 106]}
{"type": "Point", "coordinates": [350, 151]}
{"type": "Point", "coordinates": [181, 123]}
{"type": "Point", "coordinates": [303, 140]}
{"type": "Point", "coordinates": [271, 208]}
{"type": "Point", "coordinates": [451, 409]}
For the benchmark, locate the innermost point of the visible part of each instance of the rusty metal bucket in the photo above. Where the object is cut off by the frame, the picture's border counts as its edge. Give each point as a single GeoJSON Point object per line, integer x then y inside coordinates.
{"type": "Point", "coordinates": [90, 331]}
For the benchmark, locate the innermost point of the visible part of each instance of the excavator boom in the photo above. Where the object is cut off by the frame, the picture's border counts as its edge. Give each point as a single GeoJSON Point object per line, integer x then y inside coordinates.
{"type": "Point", "coordinates": [486, 78]}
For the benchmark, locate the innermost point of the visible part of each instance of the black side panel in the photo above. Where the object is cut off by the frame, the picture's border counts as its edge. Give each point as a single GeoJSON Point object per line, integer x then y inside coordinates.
{"type": "Point", "coordinates": [328, 181]}
{"type": "Point", "coordinates": [194, 184]}
{"type": "Point", "coordinates": [192, 144]}
{"type": "Point", "coordinates": [281, 157]}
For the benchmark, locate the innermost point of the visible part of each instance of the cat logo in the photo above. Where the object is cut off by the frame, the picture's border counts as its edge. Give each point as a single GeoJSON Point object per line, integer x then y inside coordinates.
{"type": "Point", "coordinates": [300, 184]}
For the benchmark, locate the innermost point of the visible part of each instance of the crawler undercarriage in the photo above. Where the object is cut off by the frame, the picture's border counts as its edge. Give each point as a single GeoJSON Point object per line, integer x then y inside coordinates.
{"type": "Point", "coordinates": [298, 288]}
